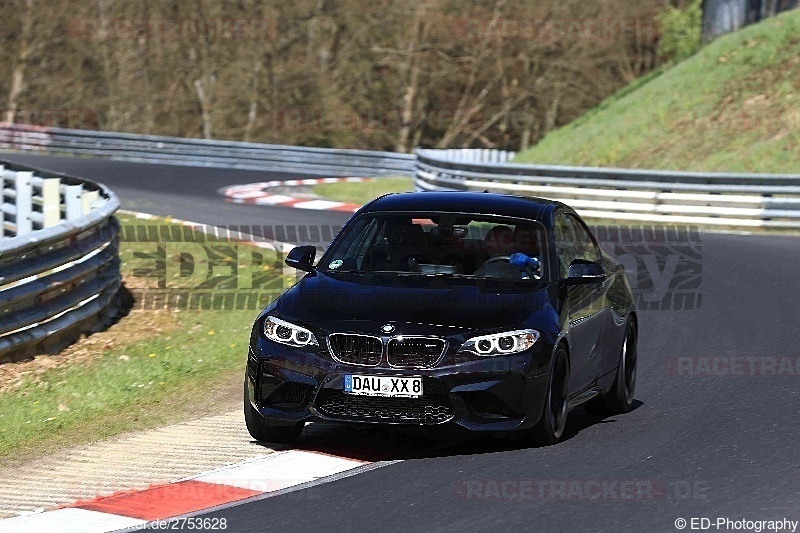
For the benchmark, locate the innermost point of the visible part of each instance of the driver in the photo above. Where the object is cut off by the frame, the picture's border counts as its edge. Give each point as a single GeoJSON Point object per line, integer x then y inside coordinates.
{"type": "Point", "coordinates": [499, 241]}
{"type": "Point", "coordinates": [502, 242]}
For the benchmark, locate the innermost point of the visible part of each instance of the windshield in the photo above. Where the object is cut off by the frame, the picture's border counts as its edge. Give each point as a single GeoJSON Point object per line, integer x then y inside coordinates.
{"type": "Point", "coordinates": [445, 244]}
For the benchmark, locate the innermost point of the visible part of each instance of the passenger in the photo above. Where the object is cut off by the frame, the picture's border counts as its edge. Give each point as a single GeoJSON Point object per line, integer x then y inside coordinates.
{"type": "Point", "coordinates": [527, 240]}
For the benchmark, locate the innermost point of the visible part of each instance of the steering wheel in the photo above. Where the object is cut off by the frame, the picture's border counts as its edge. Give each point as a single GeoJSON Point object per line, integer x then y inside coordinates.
{"type": "Point", "coordinates": [507, 259]}
{"type": "Point", "coordinates": [411, 261]}
{"type": "Point", "coordinates": [498, 258]}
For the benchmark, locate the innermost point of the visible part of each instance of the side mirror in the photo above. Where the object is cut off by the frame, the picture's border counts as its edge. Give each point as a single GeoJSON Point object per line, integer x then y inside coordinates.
{"type": "Point", "coordinates": [302, 257]}
{"type": "Point", "coordinates": [582, 271]}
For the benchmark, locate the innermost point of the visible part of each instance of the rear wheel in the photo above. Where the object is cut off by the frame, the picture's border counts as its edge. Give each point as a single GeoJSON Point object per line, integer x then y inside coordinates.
{"type": "Point", "coordinates": [261, 430]}
{"type": "Point", "coordinates": [551, 425]}
{"type": "Point", "coordinates": [619, 398]}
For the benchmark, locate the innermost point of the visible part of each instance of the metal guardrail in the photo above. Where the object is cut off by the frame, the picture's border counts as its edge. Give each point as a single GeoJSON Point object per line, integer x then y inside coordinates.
{"type": "Point", "coordinates": [702, 198]}
{"type": "Point", "coordinates": [202, 152]}
{"type": "Point", "coordinates": [656, 196]}
{"type": "Point", "coordinates": [59, 261]}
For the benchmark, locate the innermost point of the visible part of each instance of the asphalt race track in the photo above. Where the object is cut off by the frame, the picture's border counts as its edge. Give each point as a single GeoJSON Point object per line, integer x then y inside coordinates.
{"type": "Point", "coordinates": [181, 192]}
{"type": "Point", "coordinates": [723, 443]}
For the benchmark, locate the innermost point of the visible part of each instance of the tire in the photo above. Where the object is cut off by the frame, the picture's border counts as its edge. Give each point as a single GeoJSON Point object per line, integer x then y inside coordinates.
{"type": "Point", "coordinates": [619, 398]}
{"type": "Point", "coordinates": [263, 431]}
{"type": "Point", "coordinates": [550, 427]}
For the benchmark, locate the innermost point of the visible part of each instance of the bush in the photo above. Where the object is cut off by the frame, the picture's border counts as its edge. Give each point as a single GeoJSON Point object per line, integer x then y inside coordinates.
{"type": "Point", "coordinates": [681, 31]}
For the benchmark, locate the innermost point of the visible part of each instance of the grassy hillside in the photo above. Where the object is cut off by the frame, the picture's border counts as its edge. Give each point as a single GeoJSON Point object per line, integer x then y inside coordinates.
{"type": "Point", "coordinates": [734, 106]}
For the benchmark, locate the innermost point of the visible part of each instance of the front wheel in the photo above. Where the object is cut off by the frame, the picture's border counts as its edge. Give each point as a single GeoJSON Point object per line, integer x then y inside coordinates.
{"type": "Point", "coordinates": [619, 398]}
{"type": "Point", "coordinates": [263, 431]}
{"type": "Point", "coordinates": [551, 425]}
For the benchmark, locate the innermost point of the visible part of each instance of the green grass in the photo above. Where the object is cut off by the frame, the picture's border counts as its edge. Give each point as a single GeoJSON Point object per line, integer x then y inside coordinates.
{"type": "Point", "coordinates": [363, 192]}
{"type": "Point", "coordinates": [734, 106]}
{"type": "Point", "coordinates": [148, 369]}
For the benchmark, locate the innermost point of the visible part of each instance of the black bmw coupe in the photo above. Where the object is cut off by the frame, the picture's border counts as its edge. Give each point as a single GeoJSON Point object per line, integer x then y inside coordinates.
{"type": "Point", "coordinates": [488, 311]}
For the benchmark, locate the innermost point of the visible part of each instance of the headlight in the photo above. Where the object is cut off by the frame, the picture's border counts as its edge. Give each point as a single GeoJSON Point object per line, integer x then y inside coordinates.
{"type": "Point", "coordinates": [278, 330]}
{"type": "Point", "coordinates": [501, 343]}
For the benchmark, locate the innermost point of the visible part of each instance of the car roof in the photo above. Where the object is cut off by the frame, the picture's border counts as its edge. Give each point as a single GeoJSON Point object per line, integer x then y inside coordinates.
{"type": "Point", "coordinates": [466, 202]}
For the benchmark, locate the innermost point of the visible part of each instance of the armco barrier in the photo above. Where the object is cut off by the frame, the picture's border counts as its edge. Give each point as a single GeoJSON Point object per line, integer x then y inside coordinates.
{"type": "Point", "coordinates": [656, 196]}
{"type": "Point", "coordinates": [59, 262]}
{"type": "Point", "coordinates": [201, 152]}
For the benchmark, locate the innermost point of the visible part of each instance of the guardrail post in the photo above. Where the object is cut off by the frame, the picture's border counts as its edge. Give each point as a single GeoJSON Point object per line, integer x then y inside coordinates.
{"type": "Point", "coordinates": [23, 183]}
{"type": "Point", "coordinates": [51, 202]}
{"type": "Point", "coordinates": [87, 199]}
{"type": "Point", "coordinates": [74, 201]}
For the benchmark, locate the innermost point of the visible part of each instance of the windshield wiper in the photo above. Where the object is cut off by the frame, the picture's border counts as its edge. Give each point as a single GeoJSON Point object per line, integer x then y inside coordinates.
{"type": "Point", "coordinates": [333, 271]}
{"type": "Point", "coordinates": [439, 274]}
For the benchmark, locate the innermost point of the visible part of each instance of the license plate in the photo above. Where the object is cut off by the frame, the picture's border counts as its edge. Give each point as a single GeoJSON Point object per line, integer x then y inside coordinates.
{"type": "Point", "coordinates": [401, 387]}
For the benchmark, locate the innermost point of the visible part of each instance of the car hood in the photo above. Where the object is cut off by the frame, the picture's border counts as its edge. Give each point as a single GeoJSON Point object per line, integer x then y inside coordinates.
{"type": "Point", "coordinates": [465, 303]}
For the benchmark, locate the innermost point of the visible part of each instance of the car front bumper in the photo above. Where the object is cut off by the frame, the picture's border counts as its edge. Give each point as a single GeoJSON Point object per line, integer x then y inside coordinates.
{"type": "Point", "coordinates": [502, 393]}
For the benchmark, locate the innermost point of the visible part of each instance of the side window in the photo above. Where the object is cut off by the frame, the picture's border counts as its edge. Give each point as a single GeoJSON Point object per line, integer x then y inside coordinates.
{"type": "Point", "coordinates": [354, 246]}
{"type": "Point", "coordinates": [588, 248]}
{"type": "Point", "coordinates": [566, 243]}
